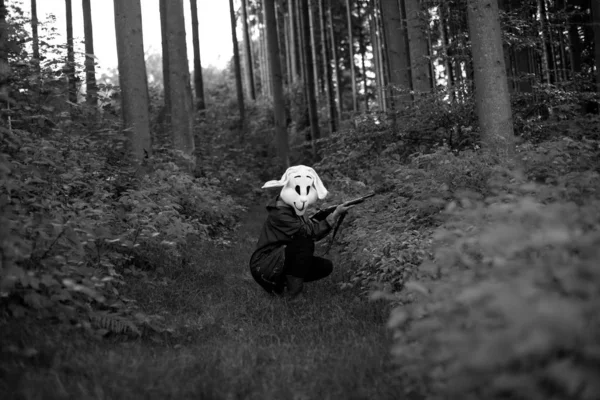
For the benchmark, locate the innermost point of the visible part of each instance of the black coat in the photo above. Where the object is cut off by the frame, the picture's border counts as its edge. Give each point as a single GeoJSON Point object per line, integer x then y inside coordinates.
{"type": "Point", "coordinates": [281, 227]}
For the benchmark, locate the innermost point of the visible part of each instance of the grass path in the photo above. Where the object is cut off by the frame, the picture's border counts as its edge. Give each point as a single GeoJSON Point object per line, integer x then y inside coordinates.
{"type": "Point", "coordinates": [231, 341]}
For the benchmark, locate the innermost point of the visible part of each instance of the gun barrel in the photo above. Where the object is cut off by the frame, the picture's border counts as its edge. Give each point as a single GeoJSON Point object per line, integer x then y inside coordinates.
{"type": "Point", "coordinates": [359, 200]}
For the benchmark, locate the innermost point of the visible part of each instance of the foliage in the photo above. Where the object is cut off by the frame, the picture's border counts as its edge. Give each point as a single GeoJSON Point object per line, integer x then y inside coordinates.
{"type": "Point", "coordinates": [507, 306]}
{"type": "Point", "coordinates": [78, 216]}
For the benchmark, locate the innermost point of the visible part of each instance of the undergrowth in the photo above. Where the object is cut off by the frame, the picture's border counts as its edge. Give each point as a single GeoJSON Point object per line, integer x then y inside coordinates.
{"type": "Point", "coordinates": [492, 268]}
{"type": "Point", "coordinates": [77, 216]}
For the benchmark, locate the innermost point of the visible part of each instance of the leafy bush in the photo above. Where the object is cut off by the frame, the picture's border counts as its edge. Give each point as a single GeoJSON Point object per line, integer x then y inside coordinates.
{"type": "Point", "coordinates": [77, 215]}
{"type": "Point", "coordinates": [391, 232]}
{"type": "Point", "coordinates": [507, 307]}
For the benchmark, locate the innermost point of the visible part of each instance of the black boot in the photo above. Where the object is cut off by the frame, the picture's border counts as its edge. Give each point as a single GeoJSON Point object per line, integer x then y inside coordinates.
{"type": "Point", "coordinates": [294, 286]}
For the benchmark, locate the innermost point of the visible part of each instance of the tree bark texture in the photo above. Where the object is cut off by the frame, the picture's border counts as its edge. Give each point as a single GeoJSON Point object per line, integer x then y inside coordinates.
{"type": "Point", "coordinates": [444, 51]}
{"type": "Point", "coordinates": [336, 65]}
{"type": "Point", "coordinates": [70, 68]}
{"type": "Point", "coordinates": [132, 76]}
{"type": "Point", "coordinates": [181, 108]}
{"type": "Point", "coordinates": [277, 83]}
{"type": "Point", "coordinates": [351, 55]}
{"type": "Point", "coordinates": [198, 81]}
{"type": "Point", "coordinates": [376, 45]}
{"type": "Point", "coordinates": [91, 91]}
{"type": "Point", "coordinates": [542, 33]}
{"type": "Point", "coordinates": [397, 53]}
{"type": "Point", "coordinates": [248, 52]}
{"type": "Point", "coordinates": [266, 62]}
{"type": "Point", "coordinates": [300, 39]}
{"type": "Point", "coordinates": [165, 61]}
{"type": "Point", "coordinates": [362, 48]}
{"type": "Point", "coordinates": [34, 32]}
{"type": "Point", "coordinates": [492, 97]}
{"type": "Point", "coordinates": [328, 75]}
{"type": "Point", "coordinates": [596, 24]}
{"type": "Point", "coordinates": [310, 79]}
{"type": "Point", "coordinates": [313, 44]}
{"type": "Point", "coordinates": [417, 42]}
{"type": "Point", "coordinates": [288, 76]}
{"type": "Point", "coordinates": [293, 39]}
{"type": "Point", "coordinates": [279, 23]}
{"type": "Point", "coordinates": [236, 61]}
{"type": "Point", "coordinates": [381, 73]}
{"type": "Point", "coordinates": [262, 59]}
{"type": "Point", "coordinates": [5, 71]}
{"type": "Point", "coordinates": [575, 45]}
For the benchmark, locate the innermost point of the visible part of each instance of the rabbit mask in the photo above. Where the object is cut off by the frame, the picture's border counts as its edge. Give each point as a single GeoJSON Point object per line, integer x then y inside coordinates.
{"type": "Point", "coordinates": [301, 187]}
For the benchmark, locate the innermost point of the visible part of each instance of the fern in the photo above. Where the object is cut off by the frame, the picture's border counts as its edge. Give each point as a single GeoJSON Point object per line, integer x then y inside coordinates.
{"type": "Point", "coordinates": [112, 323]}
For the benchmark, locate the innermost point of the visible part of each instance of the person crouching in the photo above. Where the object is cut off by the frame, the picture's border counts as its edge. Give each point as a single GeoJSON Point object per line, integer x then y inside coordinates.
{"type": "Point", "coordinates": [284, 255]}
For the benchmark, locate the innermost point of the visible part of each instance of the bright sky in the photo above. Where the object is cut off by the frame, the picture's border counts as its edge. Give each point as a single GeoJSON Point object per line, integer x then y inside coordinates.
{"type": "Point", "coordinates": [213, 19]}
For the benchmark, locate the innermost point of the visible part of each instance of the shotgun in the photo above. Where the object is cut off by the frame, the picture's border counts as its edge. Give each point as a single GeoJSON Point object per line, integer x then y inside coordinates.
{"type": "Point", "coordinates": [322, 214]}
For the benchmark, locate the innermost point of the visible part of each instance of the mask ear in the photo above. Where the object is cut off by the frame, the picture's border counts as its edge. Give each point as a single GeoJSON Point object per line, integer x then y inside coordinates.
{"type": "Point", "coordinates": [282, 182]}
{"type": "Point", "coordinates": [321, 191]}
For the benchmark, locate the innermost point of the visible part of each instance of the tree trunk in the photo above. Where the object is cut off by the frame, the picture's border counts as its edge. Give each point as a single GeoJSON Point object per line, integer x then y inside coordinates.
{"type": "Point", "coordinates": [302, 58]}
{"type": "Point", "coordinates": [282, 44]}
{"type": "Point", "coordinates": [542, 32]}
{"type": "Point", "coordinates": [362, 47]}
{"type": "Point", "coordinates": [178, 78]}
{"type": "Point", "coordinates": [132, 76]}
{"type": "Point", "coordinates": [266, 61]}
{"type": "Point", "coordinates": [288, 51]}
{"type": "Point", "coordinates": [198, 82]}
{"type": "Point", "coordinates": [432, 61]}
{"type": "Point", "coordinates": [238, 69]}
{"type": "Point", "coordinates": [300, 42]}
{"type": "Point", "coordinates": [165, 61]}
{"type": "Point", "coordinates": [313, 45]}
{"type": "Point", "coordinates": [70, 68]}
{"type": "Point", "coordinates": [492, 97]}
{"type": "Point", "coordinates": [397, 53]}
{"type": "Point", "coordinates": [551, 42]}
{"type": "Point", "coordinates": [248, 52]}
{"type": "Point", "coordinates": [91, 92]}
{"type": "Point", "coordinates": [419, 51]}
{"type": "Point", "coordinates": [445, 56]}
{"type": "Point", "coordinates": [277, 82]}
{"type": "Point", "coordinates": [523, 67]}
{"type": "Point", "coordinates": [5, 71]}
{"type": "Point", "coordinates": [328, 76]}
{"type": "Point", "coordinates": [351, 56]}
{"type": "Point", "coordinates": [376, 45]}
{"type": "Point", "coordinates": [261, 59]}
{"type": "Point", "coordinates": [293, 36]}
{"type": "Point", "coordinates": [575, 45]}
{"type": "Point", "coordinates": [596, 24]}
{"type": "Point", "coordinates": [336, 65]}
{"type": "Point", "coordinates": [34, 34]}
{"type": "Point", "coordinates": [381, 73]}
{"type": "Point", "coordinates": [563, 53]}
{"type": "Point", "coordinates": [310, 79]}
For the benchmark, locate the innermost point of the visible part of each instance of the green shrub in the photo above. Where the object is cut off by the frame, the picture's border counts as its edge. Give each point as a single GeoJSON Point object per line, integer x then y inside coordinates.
{"type": "Point", "coordinates": [507, 307]}
{"type": "Point", "coordinates": [77, 214]}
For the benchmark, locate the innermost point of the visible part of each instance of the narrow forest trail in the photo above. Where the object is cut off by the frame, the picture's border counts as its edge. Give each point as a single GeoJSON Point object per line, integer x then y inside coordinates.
{"type": "Point", "coordinates": [231, 341]}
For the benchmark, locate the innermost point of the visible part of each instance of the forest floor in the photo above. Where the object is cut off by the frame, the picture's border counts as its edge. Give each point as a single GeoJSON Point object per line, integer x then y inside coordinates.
{"type": "Point", "coordinates": [230, 341]}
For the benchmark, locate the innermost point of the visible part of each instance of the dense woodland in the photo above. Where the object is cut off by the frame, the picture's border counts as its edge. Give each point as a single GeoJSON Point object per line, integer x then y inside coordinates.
{"type": "Point", "coordinates": [131, 203]}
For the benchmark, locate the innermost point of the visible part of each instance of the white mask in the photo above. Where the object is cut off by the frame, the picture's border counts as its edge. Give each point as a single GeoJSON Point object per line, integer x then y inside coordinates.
{"type": "Point", "coordinates": [301, 187]}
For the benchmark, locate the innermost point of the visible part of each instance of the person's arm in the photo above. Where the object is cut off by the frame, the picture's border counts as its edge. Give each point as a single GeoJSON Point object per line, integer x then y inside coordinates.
{"type": "Point", "coordinates": [290, 224]}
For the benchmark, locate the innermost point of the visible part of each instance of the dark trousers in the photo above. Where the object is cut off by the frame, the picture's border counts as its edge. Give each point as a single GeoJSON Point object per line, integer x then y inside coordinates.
{"type": "Point", "coordinates": [300, 261]}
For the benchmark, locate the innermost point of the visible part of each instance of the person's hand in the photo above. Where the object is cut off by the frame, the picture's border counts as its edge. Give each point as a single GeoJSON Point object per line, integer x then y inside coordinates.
{"type": "Point", "coordinates": [342, 209]}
